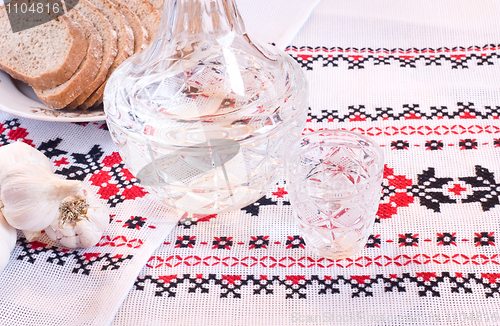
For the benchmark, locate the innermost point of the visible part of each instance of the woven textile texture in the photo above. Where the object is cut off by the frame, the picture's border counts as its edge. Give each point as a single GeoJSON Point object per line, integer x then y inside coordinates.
{"type": "Point", "coordinates": [422, 79]}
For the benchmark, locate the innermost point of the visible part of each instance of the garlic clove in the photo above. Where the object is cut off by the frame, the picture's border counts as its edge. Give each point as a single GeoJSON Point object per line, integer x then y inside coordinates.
{"type": "Point", "coordinates": [70, 242]}
{"type": "Point", "coordinates": [32, 195]}
{"type": "Point", "coordinates": [31, 236]}
{"type": "Point", "coordinates": [8, 237]}
{"type": "Point", "coordinates": [84, 234]}
{"type": "Point", "coordinates": [97, 213]}
{"type": "Point", "coordinates": [89, 234]}
{"type": "Point", "coordinates": [19, 152]}
{"type": "Point", "coordinates": [82, 221]}
{"type": "Point", "coordinates": [51, 233]}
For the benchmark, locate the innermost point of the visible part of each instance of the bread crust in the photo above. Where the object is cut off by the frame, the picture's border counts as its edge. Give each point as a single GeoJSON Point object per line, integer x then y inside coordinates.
{"type": "Point", "coordinates": [110, 51]}
{"type": "Point", "coordinates": [60, 96]}
{"type": "Point", "coordinates": [71, 61]}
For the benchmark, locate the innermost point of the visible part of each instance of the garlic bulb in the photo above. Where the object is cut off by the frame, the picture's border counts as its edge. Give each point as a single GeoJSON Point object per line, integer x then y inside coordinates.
{"type": "Point", "coordinates": [81, 223]}
{"type": "Point", "coordinates": [20, 152]}
{"type": "Point", "coordinates": [31, 196]}
{"type": "Point", "coordinates": [34, 199]}
{"type": "Point", "coordinates": [8, 236]}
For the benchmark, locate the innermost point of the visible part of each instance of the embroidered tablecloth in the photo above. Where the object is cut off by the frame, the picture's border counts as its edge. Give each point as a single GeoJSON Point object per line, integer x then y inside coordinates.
{"type": "Point", "coordinates": [422, 79]}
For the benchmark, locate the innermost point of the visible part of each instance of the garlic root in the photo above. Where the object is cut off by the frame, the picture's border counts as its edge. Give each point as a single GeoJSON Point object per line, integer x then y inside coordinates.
{"type": "Point", "coordinates": [81, 222]}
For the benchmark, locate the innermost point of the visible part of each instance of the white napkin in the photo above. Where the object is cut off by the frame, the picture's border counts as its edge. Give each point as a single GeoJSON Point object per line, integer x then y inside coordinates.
{"type": "Point", "coordinates": [275, 21]}
{"type": "Point", "coordinates": [402, 24]}
{"type": "Point", "coordinates": [45, 284]}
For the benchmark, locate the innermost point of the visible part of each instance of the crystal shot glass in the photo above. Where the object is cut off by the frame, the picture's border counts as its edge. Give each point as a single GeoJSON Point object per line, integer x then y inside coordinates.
{"type": "Point", "coordinates": [334, 183]}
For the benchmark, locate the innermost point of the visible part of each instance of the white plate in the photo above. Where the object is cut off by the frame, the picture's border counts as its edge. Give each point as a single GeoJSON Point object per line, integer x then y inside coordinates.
{"type": "Point", "coordinates": [19, 99]}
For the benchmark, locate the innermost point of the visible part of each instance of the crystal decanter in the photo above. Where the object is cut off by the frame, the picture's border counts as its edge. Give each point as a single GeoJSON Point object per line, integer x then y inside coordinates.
{"type": "Point", "coordinates": [202, 117]}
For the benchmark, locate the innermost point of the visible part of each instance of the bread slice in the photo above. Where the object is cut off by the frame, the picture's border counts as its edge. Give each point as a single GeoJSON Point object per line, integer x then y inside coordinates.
{"type": "Point", "coordinates": [148, 15]}
{"type": "Point", "coordinates": [44, 56]}
{"type": "Point", "coordinates": [125, 44]}
{"type": "Point", "coordinates": [61, 95]}
{"type": "Point", "coordinates": [140, 33]}
{"type": "Point", "coordinates": [108, 36]}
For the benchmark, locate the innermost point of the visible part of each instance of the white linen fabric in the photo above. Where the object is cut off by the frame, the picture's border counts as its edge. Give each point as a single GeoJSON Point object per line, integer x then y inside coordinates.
{"type": "Point", "coordinates": [422, 79]}
{"type": "Point", "coordinates": [276, 22]}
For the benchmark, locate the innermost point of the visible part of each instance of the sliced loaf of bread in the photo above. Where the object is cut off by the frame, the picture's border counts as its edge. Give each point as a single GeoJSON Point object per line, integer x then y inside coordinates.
{"type": "Point", "coordinates": [125, 44]}
{"type": "Point", "coordinates": [109, 39]}
{"type": "Point", "coordinates": [61, 95]}
{"type": "Point", "coordinates": [44, 56]}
